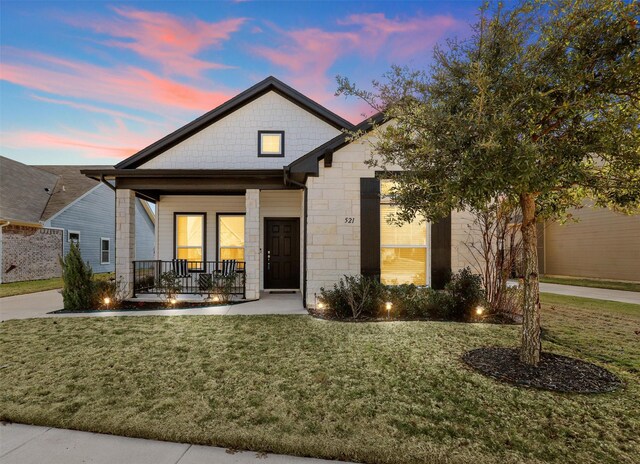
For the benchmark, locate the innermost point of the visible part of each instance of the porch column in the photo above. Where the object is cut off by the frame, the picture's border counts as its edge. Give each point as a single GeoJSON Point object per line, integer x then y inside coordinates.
{"type": "Point", "coordinates": [252, 243]}
{"type": "Point", "coordinates": [125, 238]}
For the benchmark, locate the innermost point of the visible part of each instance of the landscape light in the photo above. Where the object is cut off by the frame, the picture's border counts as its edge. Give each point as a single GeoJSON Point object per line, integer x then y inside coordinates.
{"type": "Point", "coordinates": [107, 300]}
{"type": "Point", "coordinates": [321, 305]}
{"type": "Point", "coordinates": [479, 310]}
{"type": "Point", "coordinates": [388, 306]}
{"type": "Point", "coordinates": [172, 301]}
{"type": "Point", "coordinates": [216, 298]}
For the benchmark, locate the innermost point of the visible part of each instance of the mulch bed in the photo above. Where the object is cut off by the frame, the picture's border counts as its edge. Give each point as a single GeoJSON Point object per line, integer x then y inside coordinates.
{"type": "Point", "coordinates": [554, 372]}
{"type": "Point", "coordinates": [331, 316]}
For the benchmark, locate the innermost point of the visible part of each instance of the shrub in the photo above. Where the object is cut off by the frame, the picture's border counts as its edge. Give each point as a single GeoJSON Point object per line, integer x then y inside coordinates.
{"type": "Point", "coordinates": [112, 289]}
{"type": "Point", "coordinates": [354, 297]}
{"type": "Point", "coordinates": [410, 301]}
{"type": "Point", "coordinates": [78, 290]}
{"type": "Point", "coordinates": [463, 294]}
{"type": "Point", "coordinates": [169, 285]}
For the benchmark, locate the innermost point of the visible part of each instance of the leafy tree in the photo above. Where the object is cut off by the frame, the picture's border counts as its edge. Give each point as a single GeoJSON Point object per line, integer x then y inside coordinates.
{"type": "Point", "coordinates": [540, 106]}
{"type": "Point", "coordinates": [77, 276]}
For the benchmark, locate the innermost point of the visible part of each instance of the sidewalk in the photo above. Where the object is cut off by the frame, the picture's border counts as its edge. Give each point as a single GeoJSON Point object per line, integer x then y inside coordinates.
{"type": "Point", "coordinates": [42, 303]}
{"type": "Point", "coordinates": [588, 292]}
{"type": "Point", "coordinates": [28, 444]}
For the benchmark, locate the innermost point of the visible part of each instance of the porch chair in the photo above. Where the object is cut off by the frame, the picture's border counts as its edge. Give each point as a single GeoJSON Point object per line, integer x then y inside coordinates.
{"type": "Point", "coordinates": [181, 268]}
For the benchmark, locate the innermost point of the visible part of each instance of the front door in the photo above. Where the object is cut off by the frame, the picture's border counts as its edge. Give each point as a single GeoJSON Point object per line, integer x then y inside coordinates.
{"type": "Point", "coordinates": [282, 253]}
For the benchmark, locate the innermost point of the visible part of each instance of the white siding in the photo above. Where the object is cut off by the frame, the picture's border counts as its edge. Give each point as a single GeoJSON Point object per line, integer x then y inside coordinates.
{"type": "Point", "coordinates": [232, 142]}
{"type": "Point", "coordinates": [170, 204]}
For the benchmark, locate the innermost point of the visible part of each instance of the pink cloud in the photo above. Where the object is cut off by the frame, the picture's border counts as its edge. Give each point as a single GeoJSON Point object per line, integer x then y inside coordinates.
{"type": "Point", "coordinates": [110, 142]}
{"type": "Point", "coordinates": [125, 86]}
{"type": "Point", "coordinates": [307, 55]}
{"type": "Point", "coordinates": [168, 40]}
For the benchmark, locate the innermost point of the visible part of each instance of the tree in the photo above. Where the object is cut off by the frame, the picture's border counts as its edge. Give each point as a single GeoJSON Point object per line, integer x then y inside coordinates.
{"type": "Point", "coordinates": [77, 276]}
{"type": "Point", "coordinates": [540, 106]}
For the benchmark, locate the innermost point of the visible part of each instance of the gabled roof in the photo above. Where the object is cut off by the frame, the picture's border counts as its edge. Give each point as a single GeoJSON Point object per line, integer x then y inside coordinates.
{"type": "Point", "coordinates": [267, 85]}
{"type": "Point", "coordinates": [22, 191]}
{"type": "Point", "coordinates": [72, 184]}
{"type": "Point", "coordinates": [33, 194]}
{"type": "Point", "coordinates": [308, 164]}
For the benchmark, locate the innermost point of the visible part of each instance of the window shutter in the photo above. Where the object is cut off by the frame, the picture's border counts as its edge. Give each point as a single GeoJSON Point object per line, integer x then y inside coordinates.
{"type": "Point", "coordinates": [441, 252]}
{"type": "Point", "coordinates": [370, 227]}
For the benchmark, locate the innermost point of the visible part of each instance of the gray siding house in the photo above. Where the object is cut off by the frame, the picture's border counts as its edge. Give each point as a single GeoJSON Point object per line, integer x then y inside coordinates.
{"type": "Point", "coordinates": [45, 208]}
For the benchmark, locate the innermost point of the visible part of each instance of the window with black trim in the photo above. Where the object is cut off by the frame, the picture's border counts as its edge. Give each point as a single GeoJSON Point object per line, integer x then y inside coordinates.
{"type": "Point", "coordinates": [231, 236]}
{"type": "Point", "coordinates": [105, 250]}
{"type": "Point", "coordinates": [190, 238]}
{"type": "Point", "coordinates": [271, 144]}
{"type": "Point", "coordinates": [403, 248]}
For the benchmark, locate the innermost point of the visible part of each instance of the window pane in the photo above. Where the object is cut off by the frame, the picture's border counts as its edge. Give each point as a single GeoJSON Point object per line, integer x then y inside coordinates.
{"type": "Point", "coordinates": [403, 266]}
{"type": "Point", "coordinates": [271, 144]}
{"type": "Point", "coordinates": [231, 231]}
{"type": "Point", "coordinates": [414, 233]}
{"type": "Point", "coordinates": [105, 245]}
{"type": "Point", "coordinates": [232, 253]}
{"type": "Point", "coordinates": [190, 231]}
{"type": "Point", "coordinates": [191, 254]}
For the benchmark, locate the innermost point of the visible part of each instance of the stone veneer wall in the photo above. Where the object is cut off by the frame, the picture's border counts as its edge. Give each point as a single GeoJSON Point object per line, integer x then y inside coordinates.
{"type": "Point", "coordinates": [333, 247]}
{"type": "Point", "coordinates": [34, 252]}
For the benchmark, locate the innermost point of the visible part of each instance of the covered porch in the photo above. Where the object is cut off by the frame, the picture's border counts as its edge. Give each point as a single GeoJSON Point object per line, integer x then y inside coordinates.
{"type": "Point", "coordinates": [239, 229]}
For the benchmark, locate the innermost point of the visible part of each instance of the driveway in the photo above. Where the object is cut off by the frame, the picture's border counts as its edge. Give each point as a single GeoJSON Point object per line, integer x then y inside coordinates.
{"type": "Point", "coordinates": [595, 293]}
{"type": "Point", "coordinates": [28, 444]}
{"type": "Point", "coordinates": [40, 304]}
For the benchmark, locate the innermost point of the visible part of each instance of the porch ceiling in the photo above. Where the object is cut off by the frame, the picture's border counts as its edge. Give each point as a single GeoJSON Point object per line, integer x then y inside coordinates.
{"type": "Point", "coordinates": [151, 183]}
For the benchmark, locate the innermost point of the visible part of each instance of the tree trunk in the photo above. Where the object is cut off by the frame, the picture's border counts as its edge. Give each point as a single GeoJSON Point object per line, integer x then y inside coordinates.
{"type": "Point", "coordinates": [531, 344]}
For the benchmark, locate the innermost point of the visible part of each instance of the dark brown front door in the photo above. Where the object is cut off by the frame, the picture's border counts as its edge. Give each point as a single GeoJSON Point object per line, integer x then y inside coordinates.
{"type": "Point", "coordinates": [282, 253]}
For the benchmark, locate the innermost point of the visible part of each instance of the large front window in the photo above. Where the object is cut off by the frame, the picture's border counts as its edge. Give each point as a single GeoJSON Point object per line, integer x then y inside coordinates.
{"type": "Point", "coordinates": [190, 234]}
{"type": "Point", "coordinates": [231, 237]}
{"type": "Point", "coordinates": [403, 248]}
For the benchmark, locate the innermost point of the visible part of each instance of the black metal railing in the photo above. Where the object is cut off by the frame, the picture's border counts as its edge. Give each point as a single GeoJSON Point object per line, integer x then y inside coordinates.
{"type": "Point", "coordinates": [156, 277]}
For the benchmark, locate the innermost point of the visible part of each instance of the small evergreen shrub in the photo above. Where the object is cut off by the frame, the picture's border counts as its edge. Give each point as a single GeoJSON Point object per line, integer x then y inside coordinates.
{"type": "Point", "coordinates": [170, 285]}
{"type": "Point", "coordinates": [354, 297]}
{"type": "Point", "coordinates": [112, 289]}
{"type": "Point", "coordinates": [78, 290]}
{"type": "Point", "coordinates": [464, 293]}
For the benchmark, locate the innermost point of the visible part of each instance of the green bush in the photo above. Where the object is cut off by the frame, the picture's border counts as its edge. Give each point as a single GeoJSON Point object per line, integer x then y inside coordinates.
{"type": "Point", "coordinates": [463, 293]}
{"type": "Point", "coordinates": [109, 288]}
{"type": "Point", "coordinates": [77, 276]}
{"type": "Point", "coordinates": [354, 297]}
{"type": "Point", "coordinates": [359, 297]}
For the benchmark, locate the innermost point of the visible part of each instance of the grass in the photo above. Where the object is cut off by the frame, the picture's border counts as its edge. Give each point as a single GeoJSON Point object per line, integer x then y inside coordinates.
{"type": "Point", "coordinates": [594, 283]}
{"type": "Point", "coordinates": [33, 286]}
{"type": "Point", "coordinates": [371, 392]}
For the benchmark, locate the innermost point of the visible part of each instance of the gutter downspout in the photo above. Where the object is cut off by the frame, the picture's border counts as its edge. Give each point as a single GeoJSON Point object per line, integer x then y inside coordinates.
{"type": "Point", "coordinates": [287, 179]}
{"type": "Point", "coordinates": [2, 226]}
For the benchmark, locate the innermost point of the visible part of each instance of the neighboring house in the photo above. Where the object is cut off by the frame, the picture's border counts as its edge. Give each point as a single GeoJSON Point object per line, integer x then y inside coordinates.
{"type": "Point", "coordinates": [602, 244]}
{"type": "Point", "coordinates": [269, 181]}
{"type": "Point", "coordinates": [44, 208]}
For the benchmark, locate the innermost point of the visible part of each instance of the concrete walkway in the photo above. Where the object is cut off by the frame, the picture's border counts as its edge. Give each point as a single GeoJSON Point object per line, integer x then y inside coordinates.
{"type": "Point", "coordinates": [40, 304]}
{"type": "Point", "coordinates": [589, 292]}
{"type": "Point", "coordinates": [28, 444]}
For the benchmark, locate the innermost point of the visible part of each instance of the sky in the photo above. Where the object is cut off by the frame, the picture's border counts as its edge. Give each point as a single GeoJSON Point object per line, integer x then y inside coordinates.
{"type": "Point", "coordinates": [90, 82]}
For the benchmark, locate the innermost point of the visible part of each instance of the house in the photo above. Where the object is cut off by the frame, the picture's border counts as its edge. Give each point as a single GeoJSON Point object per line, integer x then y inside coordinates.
{"type": "Point", "coordinates": [598, 243]}
{"type": "Point", "coordinates": [270, 182]}
{"type": "Point", "coordinates": [45, 208]}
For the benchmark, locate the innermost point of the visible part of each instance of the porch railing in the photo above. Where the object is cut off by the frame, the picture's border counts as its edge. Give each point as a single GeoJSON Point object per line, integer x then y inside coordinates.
{"type": "Point", "coordinates": [150, 277]}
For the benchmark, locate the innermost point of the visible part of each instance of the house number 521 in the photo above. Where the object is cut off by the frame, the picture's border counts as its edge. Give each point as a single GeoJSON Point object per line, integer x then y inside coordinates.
{"type": "Point", "coordinates": [349, 220]}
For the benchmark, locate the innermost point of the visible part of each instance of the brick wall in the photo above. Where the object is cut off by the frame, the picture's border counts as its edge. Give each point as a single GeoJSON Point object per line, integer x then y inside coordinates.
{"type": "Point", "coordinates": [30, 253]}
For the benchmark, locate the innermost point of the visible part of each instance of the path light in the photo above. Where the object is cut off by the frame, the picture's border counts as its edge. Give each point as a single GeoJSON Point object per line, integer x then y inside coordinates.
{"type": "Point", "coordinates": [321, 305]}
{"type": "Point", "coordinates": [172, 301]}
{"type": "Point", "coordinates": [107, 301]}
{"type": "Point", "coordinates": [216, 298]}
{"type": "Point", "coordinates": [388, 305]}
{"type": "Point", "coordinates": [479, 310]}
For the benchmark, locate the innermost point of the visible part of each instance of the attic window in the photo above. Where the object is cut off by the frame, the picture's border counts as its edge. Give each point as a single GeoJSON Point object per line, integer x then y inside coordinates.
{"type": "Point", "coordinates": [271, 144]}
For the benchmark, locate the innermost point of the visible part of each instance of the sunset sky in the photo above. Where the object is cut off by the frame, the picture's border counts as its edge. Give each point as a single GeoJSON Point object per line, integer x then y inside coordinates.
{"type": "Point", "coordinates": [94, 82]}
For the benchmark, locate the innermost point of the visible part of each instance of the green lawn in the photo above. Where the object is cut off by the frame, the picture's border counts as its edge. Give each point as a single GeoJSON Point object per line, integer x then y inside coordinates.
{"type": "Point", "coordinates": [374, 392]}
{"type": "Point", "coordinates": [595, 283]}
{"type": "Point", "coordinates": [32, 286]}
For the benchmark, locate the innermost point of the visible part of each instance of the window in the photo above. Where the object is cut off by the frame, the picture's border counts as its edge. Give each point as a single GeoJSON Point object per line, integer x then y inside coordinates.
{"type": "Point", "coordinates": [105, 250]}
{"type": "Point", "coordinates": [403, 249]}
{"type": "Point", "coordinates": [271, 143]}
{"type": "Point", "coordinates": [231, 237]}
{"type": "Point", "coordinates": [190, 238]}
{"type": "Point", "coordinates": [73, 236]}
